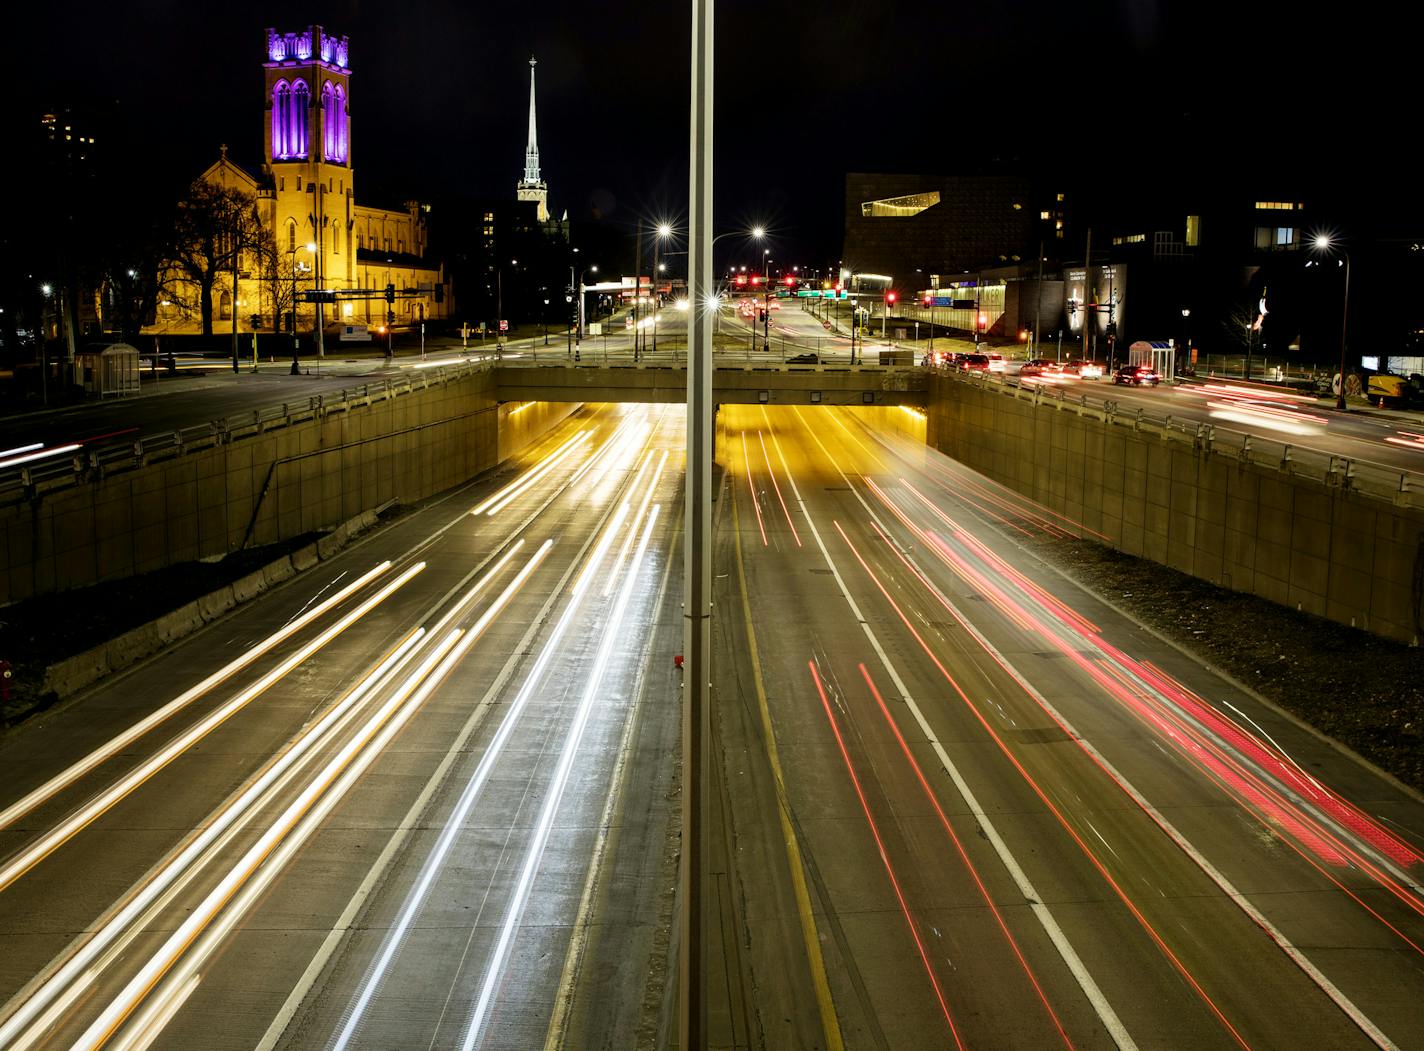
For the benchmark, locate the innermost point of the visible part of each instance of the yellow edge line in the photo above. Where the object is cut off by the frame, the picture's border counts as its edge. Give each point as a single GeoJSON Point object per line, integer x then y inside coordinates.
{"type": "Point", "coordinates": [830, 1024]}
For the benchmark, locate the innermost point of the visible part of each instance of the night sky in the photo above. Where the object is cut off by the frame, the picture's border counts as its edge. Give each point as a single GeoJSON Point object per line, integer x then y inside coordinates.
{"type": "Point", "coordinates": [1288, 99]}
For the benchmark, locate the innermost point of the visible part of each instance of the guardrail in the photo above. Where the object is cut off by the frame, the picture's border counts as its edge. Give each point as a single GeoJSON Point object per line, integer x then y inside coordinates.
{"type": "Point", "coordinates": [29, 480]}
{"type": "Point", "coordinates": [1400, 486]}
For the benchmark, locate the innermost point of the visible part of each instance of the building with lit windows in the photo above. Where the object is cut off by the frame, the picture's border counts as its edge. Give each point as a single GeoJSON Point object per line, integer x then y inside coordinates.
{"type": "Point", "coordinates": [306, 199]}
{"type": "Point", "coordinates": [901, 225]}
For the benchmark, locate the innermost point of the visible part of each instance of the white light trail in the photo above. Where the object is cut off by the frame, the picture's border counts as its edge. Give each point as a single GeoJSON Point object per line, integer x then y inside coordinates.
{"type": "Point", "coordinates": [456, 821]}
{"type": "Point", "coordinates": [522, 484]}
{"type": "Point", "coordinates": [442, 660]}
{"type": "Point", "coordinates": [633, 529]}
{"type": "Point", "coordinates": [60, 988]}
{"type": "Point", "coordinates": [45, 791]}
{"type": "Point", "coordinates": [21, 449]}
{"type": "Point", "coordinates": [56, 836]}
{"type": "Point", "coordinates": [535, 852]}
{"type": "Point", "coordinates": [138, 987]}
{"type": "Point", "coordinates": [44, 454]}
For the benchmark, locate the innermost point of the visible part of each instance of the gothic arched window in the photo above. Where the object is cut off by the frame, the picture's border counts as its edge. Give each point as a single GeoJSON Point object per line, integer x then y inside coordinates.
{"type": "Point", "coordinates": [336, 239]}
{"type": "Point", "coordinates": [301, 103]}
{"type": "Point", "coordinates": [281, 118]}
{"type": "Point", "coordinates": [225, 306]}
{"type": "Point", "coordinates": [328, 123]}
{"type": "Point", "coordinates": [291, 235]}
{"type": "Point", "coordinates": [342, 125]}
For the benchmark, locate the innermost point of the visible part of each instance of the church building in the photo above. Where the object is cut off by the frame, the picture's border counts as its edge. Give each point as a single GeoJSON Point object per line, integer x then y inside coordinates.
{"type": "Point", "coordinates": [306, 199]}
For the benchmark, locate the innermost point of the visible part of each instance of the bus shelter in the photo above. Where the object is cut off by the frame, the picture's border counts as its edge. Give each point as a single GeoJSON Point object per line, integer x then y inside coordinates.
{"type": "Point", "coordinates": [1160, 357]}
{"type": "Point", "coordinates": [106, 369]}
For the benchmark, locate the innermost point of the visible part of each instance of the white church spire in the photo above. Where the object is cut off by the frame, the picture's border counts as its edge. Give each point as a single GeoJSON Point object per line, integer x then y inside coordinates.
{"type": "Point", "coordinates": [531, 187]}
{"type": "Point", "coordinates": [531, 152]}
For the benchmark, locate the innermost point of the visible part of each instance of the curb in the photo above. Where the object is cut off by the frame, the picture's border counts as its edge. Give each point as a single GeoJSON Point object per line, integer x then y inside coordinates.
{"type": "Point", "coordinates": [67, 677]}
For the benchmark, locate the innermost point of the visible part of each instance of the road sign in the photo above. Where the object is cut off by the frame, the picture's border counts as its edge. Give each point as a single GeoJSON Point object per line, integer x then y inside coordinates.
{"type": "Point", "coordinates": [503, 325]}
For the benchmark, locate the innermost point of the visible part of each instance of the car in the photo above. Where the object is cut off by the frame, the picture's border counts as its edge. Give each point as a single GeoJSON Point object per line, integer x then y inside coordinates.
{"type": "Point", "coordinates": [1040, 367]}
{"type": "Point", "coordinates": [1136, 376]}
{"type": "Point", "coordinates": [996, 362]}
{"type": "Point", "coordinates": [974, 363]}
{"type": "Point", "coordinates": [803, 359]}
{"type": "Point", "coordinates": [1087, 370]}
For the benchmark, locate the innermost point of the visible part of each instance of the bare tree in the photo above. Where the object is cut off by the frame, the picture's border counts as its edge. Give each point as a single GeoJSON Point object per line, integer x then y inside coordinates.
{"type": "Point", "coordinates": [275, 268]}
{"type": "Point", "coordinates": [212, 227]}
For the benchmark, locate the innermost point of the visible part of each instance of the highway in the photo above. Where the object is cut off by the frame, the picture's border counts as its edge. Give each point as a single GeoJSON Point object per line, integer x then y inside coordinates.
{"type": "Point", "coordinates": [969, 804]}
{"type": "Point", "coordinates": [420, 796]}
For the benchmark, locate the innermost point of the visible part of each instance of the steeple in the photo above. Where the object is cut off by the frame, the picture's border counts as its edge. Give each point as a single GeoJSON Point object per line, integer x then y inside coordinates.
{"type": "Point", "coordinates": [531, 151]}
{"type": "Point", "coordinates": [531, 187]}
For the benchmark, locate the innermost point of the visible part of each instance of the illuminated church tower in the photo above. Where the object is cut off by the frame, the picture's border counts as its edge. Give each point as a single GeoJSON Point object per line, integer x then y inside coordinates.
{"type": "Point", "coordinates": [308, 150]}
{"type": "Point", "coordinates": [531, 187]}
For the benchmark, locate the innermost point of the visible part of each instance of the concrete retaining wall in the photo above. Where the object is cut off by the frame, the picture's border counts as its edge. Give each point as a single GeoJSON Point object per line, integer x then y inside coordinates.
{"type": "Point", "coordinates": [265, 487]}
{"type": "Point", "coordinates": [1327, 550]}
{"type": "Point", "coordinates": [71, 675]}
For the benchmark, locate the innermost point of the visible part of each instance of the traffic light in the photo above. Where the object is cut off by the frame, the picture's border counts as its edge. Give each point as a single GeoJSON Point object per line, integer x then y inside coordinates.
{"type": "Point", "coordinates": [761, 315]}
{"type": "Point", "coordinates": [890, 298]}
{"type": "Point", "coordinates": [790, 281]}
{"type": "Point", "coordinates": [928, 299]}
{"type": "Point", "coordinates": [390, 293]}
{"type": "Point", "coordinates": [741, 279]}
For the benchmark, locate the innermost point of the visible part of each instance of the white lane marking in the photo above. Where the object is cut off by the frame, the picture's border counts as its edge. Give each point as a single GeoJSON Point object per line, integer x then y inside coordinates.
{"type": "Point", "coordinates": [534, 853]}
{"type": "Point", "coordinates": [41, 848]}
{"type": "Point", "coordinates": [408, 823]}
{"type": "Point", "coordinates": [454, 825]}
{"type": "Point", "coordinates": [573, 957]}
{"type": "Point", "coordinates": [1101, 1006]}
{"type": "Point", "coordinates": [159, 887]}
{"type": "Point", "coordinates": [77, 770]}
{"type": "Point", "coordinates": [1227, 887]}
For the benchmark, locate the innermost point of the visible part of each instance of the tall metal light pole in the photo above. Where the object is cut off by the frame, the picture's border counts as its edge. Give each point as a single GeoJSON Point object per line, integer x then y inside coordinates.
{"type": "Point", "coordinates": [578, 337]}
{"type": "Point", "coordinates": [663, 230]}
{"type": "Point", "coordinates": [766, 300]}
{"type": "Point", "coordinates": [697, 545]}
{"type": "Point", "coordinates": [1325, 244]}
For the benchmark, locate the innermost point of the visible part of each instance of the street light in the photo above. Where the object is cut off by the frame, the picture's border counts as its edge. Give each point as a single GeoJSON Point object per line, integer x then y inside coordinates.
{"type": "Point", "coordinates": [316, 307]}
{"type": "Point", "coordinates": [1324, 244]}
{"type": "Point", "coordinates": [578, 337]}
{"type": "Point", "coordinates": [1187, 339]}
{"type": "Point", "coordinates": [296, 367]}
{"type": "Point", "coordinates": [664, 230]}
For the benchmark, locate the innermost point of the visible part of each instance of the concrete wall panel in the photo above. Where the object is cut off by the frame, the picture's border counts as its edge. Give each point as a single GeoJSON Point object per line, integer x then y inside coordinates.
{"type": "Point", "coordinates": [1249, 526]}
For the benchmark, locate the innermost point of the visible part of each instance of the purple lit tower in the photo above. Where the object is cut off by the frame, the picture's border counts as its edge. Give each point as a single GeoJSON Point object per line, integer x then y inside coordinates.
{"type": "Point", "coordinates": [308, 149]}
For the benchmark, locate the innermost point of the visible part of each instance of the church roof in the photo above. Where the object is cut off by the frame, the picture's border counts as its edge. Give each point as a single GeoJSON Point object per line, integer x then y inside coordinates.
{"type": "Point", "coordinates": [224, 172]}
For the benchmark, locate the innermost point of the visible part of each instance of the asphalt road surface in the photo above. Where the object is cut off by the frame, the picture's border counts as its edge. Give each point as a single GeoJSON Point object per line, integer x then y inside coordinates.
{"type": "Point", "coordinates": [417, 797]}
{"type": "Point", "coordinates": [970, 804]}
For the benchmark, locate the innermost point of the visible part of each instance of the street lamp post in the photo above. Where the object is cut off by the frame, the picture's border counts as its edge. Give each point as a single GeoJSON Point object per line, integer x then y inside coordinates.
{"type": "Point", "coordinates": [766, 300]}
{"type": "Point", "coordinates": [578, 337]}
{"type": "Point", "coordinates": [292, 326]}
{"type": "Point", "coordinates": [1187, 339]}
{"type": "Point", "coordinates": [663, 230]}
{"type": "Point", "coordinates": [544, 320]}
{"type": "Point", "coordinates": [1324, 244]}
